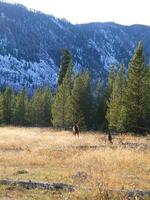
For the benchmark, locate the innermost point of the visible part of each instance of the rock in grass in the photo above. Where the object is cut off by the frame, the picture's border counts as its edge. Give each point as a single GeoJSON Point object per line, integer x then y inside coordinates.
{"type": "Point", "coordinates": [38, 185]}
{"type": "Point", "coordinates": [22, 172]}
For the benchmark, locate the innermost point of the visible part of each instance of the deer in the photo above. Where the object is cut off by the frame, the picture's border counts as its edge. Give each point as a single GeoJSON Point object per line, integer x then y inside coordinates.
{"type": "Point", "coordinates": [76, 130]}
{"type": "Point", "coordinates": [110, 136]}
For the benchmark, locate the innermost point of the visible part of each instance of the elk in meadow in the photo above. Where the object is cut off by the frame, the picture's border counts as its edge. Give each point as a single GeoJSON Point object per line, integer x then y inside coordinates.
{"type": "Point", "coordinates": [110, 136]}
{"type": "Point", "coordinates": [76, 130]}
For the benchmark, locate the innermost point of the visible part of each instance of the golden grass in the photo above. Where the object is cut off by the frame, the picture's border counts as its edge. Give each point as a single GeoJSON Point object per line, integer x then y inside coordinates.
{"type": "Point", "coordinates": [57, 156]}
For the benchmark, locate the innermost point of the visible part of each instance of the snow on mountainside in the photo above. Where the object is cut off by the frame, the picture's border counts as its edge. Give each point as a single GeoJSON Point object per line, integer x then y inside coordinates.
{"type": "Point", "coordinates": [26, 74]}
{"type": "Point", "coordinates": [31, 43]}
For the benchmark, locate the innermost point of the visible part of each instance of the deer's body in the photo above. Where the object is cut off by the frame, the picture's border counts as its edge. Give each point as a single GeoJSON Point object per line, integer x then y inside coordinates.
{"type": "Point", "coordinates": [76, 130]}
{"type": "Point", "coordinates": [110, 136]}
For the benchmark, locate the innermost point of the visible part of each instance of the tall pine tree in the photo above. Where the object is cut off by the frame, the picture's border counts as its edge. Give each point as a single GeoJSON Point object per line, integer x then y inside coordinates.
{"type": "Point", "coordinates": [108, 92]}
{"type": "Point", "coordinates": [61, 104]}
{"type": "Point", "coordinates": [1, 107]}
{"type": "Point", "coordinates": [135, 107]}
{"type": "Point", "coordinates": [81, 101]}
{"type": "Point", "coordinates": [29, 113]}
{"type": "Point", "coordinates": [20, 108]}
{"type": "Point", "coordinates": [47, 104]}
{"type": "Point", "coordinates": [37, 109]}
{"type": "Point", "coordinates": [99, 106]}
{"type": "Point", "coordinates": [115, 105]}
{"type": "Point", "coordinates": [8, 105]}
{"type": "Point", "coordinates": [66, 62]}
{"type": "Point", "coordinates": [147, 88]}
{"type": "Point", "coordinates": [110, 82]}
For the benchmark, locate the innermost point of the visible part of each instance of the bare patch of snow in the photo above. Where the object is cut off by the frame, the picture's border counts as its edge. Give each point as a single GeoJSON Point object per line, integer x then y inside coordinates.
{"type": "Point", "coordinates": [20, 74]}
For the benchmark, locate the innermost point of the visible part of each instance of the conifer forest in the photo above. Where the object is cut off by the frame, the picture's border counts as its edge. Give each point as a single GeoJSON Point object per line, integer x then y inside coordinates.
{"type": "Point", "coordinates": [122, 104]}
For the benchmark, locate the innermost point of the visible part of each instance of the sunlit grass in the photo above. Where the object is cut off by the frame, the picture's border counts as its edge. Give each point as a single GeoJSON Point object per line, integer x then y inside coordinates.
{"type": "Point", "coordinates": [57, 156]}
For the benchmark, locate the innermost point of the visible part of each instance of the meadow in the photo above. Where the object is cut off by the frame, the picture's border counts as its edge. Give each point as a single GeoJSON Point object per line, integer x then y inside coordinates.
{"type": "Point", "coordinates": [90, 163]}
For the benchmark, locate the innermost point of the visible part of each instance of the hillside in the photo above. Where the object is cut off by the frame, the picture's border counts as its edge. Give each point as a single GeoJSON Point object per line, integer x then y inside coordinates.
{"type": "Point", "coordinates": [31, 43]}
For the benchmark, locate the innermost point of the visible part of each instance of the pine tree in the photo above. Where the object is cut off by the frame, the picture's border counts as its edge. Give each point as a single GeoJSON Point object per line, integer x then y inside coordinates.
{"type": "Point", "coordinates": [61, 104]}
{"type": "Point", "coordinates": [59, 107]}
{"type": "Point", "coordinates": [47, 104]}
{"type": "Point", "coordinates": [115, 105]}
{"type": "Point", "coordinates": [20, 108]}
{"type": "Point", "coordinates": [108, 92]}
{"type": "Point", "coordinates": [81, 101]}
{"type": "Point", "coordinates": [37, 108]}
{"type": "Point", "coordinates": [29, 113]}
{"type": "Point", "coordinates": [147, 93]}
{"type": "Point", "coordinates": [8, 106]}
{"type": "Point", "coordinates": [135, 107]}
{"type": "Point", "coordinates": [66, 62]}
{"type": "Point", "coordinates": [110, 82]}
{"type": "Point", "coordinates": [1, 107]}
{"type": "Point", "coordinates": [99, 106]}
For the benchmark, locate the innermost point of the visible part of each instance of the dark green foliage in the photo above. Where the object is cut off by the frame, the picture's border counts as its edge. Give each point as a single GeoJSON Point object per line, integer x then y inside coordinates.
{"type": "Point", "coordinates": [147, 93]}
{"type": "Point", "coordinates": [28, 115]}
{"type": "Point", "coordinates": [99, 107]}
{"type": "Point", "coordinates": [108, 92]}
{"type": "Point", "coordinates": [115, 105]}
{"type": "Point", "coordinates": [81, 101]}
{"type": "Point", "coordinates": [8, 106]}
{"type": "Point", "coordinates": [136, 106]}
{"type": "Point", "coordinates": [66, 62]}
{"type": "Point", "coordinates": [110, 82]}
{"type": "Point", "coordinates": [20, 108]}
{"type": "Point", "coordinates": [61, 105]}
{"type": "Point", "coordinates": [37, 109]}
{"type": "Point", "coordinates": [1, 107]}
{"type": "Point", "coordinates": [47, 104]}
{"type": "Point", "coordinates": [128, 105]}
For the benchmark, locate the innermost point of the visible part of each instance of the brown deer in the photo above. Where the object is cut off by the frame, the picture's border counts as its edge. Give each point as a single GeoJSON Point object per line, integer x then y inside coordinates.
{"type": "Point", "coordinates": [110, 136]}
{"type": "Point", "coordinates": [76, 130]}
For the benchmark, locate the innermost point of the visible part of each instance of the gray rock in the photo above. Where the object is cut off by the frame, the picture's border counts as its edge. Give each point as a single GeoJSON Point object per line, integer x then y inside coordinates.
{"type": "Point", "coordinates": [38, 185]}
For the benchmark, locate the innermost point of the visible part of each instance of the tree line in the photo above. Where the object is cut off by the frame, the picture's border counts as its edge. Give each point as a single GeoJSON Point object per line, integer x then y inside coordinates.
{"type": "Point", "coordinates": [122, 105]}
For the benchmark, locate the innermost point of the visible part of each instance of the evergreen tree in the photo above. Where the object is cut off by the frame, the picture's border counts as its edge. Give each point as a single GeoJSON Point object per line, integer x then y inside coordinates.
{"type": "Point", "coordinates": [20, 108]}
{"type": "Point", "coordinates": [136, 93]}
{"type": "Point", "coordinates": [47, 104]}
{"type": "Point", "coordinates": [1, 107]}
{"type": "Point", "coordinates": [66, 62]}
{"type": "Point", "coordinates": [8, 106]}
{"type": "Point", "coordinates": [29, 113]}
{"type": "Point", "coordinates": [37, 108]}
{"type": "Point", "coordinates": [81, 101]}
{"type": "Point", "coordinates": [61, 104]}
{"type": "Point", "coordinates": [108, 92]}
{"type": "Point", "coordinates": [115, 105]}
{"type": "Point", "coordinates": [99, 106]}
{"type": "Point", "coordinates": [110, 82]}
{"type": "Point", "coordinates": [147, 106]}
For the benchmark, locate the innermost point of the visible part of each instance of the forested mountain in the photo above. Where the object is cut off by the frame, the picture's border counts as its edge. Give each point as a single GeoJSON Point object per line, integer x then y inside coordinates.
{"type": "Point", "coordinates": [31, 43]}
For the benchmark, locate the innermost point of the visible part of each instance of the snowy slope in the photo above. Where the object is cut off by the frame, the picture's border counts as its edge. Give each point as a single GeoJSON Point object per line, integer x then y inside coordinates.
{"type": "Point", "coordinates": [20, 73]}
{"type": "Point", "coordinates": [31, 43]}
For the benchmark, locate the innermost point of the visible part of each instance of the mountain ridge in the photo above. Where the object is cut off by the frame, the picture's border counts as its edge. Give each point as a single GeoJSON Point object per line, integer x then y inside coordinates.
{"type": "Point", "coordinates": [31, 43]}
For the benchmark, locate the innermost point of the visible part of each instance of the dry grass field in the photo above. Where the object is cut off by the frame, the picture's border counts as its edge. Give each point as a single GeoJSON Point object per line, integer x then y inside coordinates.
{"type": "Point", "coordinates": [89, 163]}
